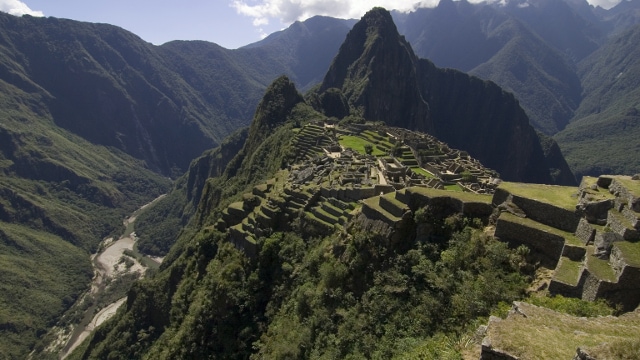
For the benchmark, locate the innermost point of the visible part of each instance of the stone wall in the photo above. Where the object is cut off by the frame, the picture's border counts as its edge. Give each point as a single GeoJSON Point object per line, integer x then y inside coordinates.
{"type": "Point", "coordinates": [548, 214]}
{"type": "Point", "coordinates": [585, 232]}
{"type": "Point", "coordinates": [477, 209]}
{"type": "Point", "coordinates": [349, 194]}
{"type": "Point", "coordinates": [567, 290]}
{"type": "Point", "coordinates": [575, 253]}
{"type": "Point", "coordinates": [548, 245]}
{"type": "Point", "coordinates": [622, 192]}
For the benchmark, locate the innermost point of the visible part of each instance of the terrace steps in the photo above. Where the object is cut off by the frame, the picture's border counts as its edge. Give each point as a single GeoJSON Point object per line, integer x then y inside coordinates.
{"type": "Point", "coordinates": [389, 203]}
{"type": "Point", "coordinates": [372, 208]}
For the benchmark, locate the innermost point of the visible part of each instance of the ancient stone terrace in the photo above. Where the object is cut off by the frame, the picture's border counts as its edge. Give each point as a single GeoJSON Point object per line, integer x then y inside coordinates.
{"type": "Point", "coordinates": [590, 235]}
{"type": "Point", "coordinates": [449, 165]}
{"type": "Point", "coordinates": [310, 140]}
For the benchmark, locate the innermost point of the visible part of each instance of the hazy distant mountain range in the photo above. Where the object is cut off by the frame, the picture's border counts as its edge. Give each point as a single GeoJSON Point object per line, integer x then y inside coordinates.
{"type": "Point", "coordinates": [94, 120]}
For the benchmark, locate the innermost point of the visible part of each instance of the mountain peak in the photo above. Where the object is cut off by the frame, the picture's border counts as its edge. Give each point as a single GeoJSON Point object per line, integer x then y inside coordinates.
{"type": "Point", "coordinates": [374, 61]}
{"type": "Point", "coordinates": [280, 97]}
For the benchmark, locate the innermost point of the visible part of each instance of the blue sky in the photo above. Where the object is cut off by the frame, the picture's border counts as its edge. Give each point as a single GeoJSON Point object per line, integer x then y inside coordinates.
{"type": "Point", "coordinates": [229, 23]}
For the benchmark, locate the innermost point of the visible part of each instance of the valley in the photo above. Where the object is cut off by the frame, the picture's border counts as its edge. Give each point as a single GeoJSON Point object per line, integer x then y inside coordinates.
{"type": "Point", "coordinates": [435, 165]}
{"type": "Point", "coordinates": [115, 266]}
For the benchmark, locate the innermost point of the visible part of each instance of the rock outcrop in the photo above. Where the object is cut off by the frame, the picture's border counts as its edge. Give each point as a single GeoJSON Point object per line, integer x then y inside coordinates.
{"type": "Point", "coordinates": [383, 80]}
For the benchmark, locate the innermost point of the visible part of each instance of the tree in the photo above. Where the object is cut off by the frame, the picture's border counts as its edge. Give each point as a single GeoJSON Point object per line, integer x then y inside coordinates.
{"type": "Point", "coordinates": [368, 149]}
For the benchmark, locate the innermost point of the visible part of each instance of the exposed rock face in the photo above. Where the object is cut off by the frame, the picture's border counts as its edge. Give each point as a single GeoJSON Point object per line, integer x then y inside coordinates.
{"type": "Point", "coordinates": [377, 71]}
{"type": "Point", "coordinates": [383, 80]}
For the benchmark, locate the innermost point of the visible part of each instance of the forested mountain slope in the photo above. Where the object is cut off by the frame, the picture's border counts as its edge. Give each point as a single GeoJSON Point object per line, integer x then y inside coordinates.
{"type": "Point", "coordinates": [604, 133]}
{"type": "Point", "coordinates": [302, 294]}
{"type": "Point", "coordinates": [379, 75]}
{"type": "Point", "coordinates": [92, 121]}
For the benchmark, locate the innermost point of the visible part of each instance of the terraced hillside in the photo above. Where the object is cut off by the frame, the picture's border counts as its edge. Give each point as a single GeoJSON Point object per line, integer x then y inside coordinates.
{"type": "Point", "coordinates": [589, 235]}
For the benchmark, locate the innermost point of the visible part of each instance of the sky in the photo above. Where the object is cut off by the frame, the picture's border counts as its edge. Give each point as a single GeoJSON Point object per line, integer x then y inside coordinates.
{"type": "Point", "coordinates": [228, 23]}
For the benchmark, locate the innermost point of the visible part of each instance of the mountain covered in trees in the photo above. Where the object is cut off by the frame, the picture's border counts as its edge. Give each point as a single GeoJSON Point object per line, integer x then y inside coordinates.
{"type": "Point", "coordinates": [95, 122]}
{"type": "Point", "coordinates": [306, 292]}
{"type": "Point", "coordinates": [542, 51]}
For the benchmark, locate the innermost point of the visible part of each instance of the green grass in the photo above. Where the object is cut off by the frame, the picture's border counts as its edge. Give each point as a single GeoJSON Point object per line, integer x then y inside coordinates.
{"type": "Point", "coordinates": [561, 196]}
{"type": "Point", "coordinates": [423, 172]}
{"type": "Point", "coordinates": [567, 271]}
{"type": "Point", "coordinates": [600, 268]}
{"type": "Point", "coordinates": [630, 252]}
{"type": "Point", "coordinates": [463, 196]}
{"type": "Point", "coordinates": [453, 187]}
{"type": "Point", "coordinates": [548, 334]}
{"type": "Point", "coordinates": [357, 143]}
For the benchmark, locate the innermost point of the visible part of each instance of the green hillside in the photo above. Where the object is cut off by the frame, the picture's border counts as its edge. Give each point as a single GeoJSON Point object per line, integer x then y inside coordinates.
{"type": "Point", "coordinates": [59, 197]}
{"type": "Point", "coordinates": [604, 132]}
{"type": "Point", "coordinates": [348, 292]}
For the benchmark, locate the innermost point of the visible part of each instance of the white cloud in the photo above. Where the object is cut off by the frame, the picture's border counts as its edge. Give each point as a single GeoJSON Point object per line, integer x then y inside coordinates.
{"type": "Point", "coordinates": [288, 11]}
{"type": "Point", "coordinates": [607, 4]}
{"type": "Point", "coordinates": [17, 8]}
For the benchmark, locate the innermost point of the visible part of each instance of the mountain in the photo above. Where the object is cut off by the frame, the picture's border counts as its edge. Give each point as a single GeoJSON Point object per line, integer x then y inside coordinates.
{"type": "Point", "coordinates": [378, 72]}
{"type": "Point", "coordinates": [541, 51]}
{"type": "Point", "coordinates": [605, 128]}
{"type": "Point", "coordinates": [164, 105]}
{"type": "Point", "coordinates": [304, 281]}
{"type": "Point", "coordinates": [60, 195]}
{"type": "Point", "coordinates": [94, 121]}
{"type": "Point", "coordinates": [496, 43]}
{"type": "Point", "coordinates": [304, 50]}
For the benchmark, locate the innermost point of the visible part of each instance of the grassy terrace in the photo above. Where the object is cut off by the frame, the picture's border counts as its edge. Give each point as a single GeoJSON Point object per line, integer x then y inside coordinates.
{"type": "Point", "coordinates": [600, 268]}
{"type": "Point", "coordinates": [632, 185]}
{"type": "Point", "coordinates": [376, 138]}
{"type": "Point", "coordinates": [423, 172]}
{"type": "Point", "coordinates": [568, 237]}
{"type": "Point", "coordinates": [567, 271]}
{"type": "Point", "coordinates": [454, 187]}
{"type": "Point", "coordinates": [561, 196]}
{"type": "Point", "coordinates": [599, 193]}
{"type": "Point", "coordinates": [357, 144]}
{"type": "Point", "coordinates": [547, 334]}
{"type": "Point", "coordinates": [630, 252]}
{"type": "Point", "coordinates": [374, 203]}
{"type": "Point", "coordinates": [463, 196]}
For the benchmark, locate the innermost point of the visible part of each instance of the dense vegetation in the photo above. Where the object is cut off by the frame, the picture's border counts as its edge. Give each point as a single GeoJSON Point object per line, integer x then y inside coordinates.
{"type": "Point", "coordinates": [349, 294]}
{"type": "Point", "coordinates": [59, 197]}
{"type": "Point", "coordinates": [606, 127]}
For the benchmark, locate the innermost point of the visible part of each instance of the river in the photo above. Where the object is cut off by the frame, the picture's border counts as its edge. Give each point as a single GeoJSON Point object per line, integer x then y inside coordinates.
{"type": "Point", "coordinates": [108, 265]}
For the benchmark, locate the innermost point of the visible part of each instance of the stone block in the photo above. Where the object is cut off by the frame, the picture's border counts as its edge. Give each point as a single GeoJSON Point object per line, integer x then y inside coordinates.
{"type": "Point", "coordinates": [603, 241]}
{"type": "Point", "coordinates": [604, 181]}
{"type": "Point", "coordinates": [620, 225]}
{"type": "Point", "coordinates": [632, 216]}
{"type": "Point", "coordinates": [585, 232]}
{"type": "Point", "coordinates": [628, 198]}
{"type": "Point", "coordinates": [575, 253]}
{"type": "Point", "coordinates": [595, 211]}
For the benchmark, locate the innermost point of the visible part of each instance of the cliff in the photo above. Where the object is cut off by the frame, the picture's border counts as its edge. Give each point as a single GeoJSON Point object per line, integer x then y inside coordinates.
{"type": "Point", "coordinates": [383, 80]}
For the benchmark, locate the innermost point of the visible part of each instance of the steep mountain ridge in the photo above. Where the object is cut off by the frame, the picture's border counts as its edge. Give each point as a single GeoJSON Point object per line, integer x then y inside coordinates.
{"type": "Point", "coordinates": [492, 42]}
{"type": "Point", "coordinates": [376, 71]}
{"type": "Point", "coordinates": [605, 128]}
{"type": "Point", "coordinates": [423, 97]}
